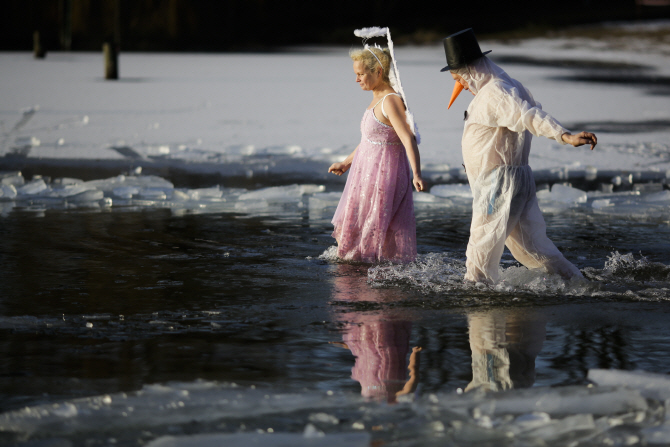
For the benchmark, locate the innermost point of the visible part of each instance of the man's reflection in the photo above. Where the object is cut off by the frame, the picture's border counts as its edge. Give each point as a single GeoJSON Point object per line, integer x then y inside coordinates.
{"type": "Point", "coordinates": [378, 339]}
{"type": "Point", "coordinates": [504, 346]}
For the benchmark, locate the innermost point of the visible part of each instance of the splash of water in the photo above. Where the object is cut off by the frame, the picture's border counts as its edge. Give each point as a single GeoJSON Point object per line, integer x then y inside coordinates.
{"type": "Point", "coordinates": [622, 276]}
{"type": "Point", "coordinates": [625, 267]}
{"type": "Point", "coordinates": [330, 254]}
{"type": "Point", "coordinates": [433, 272]}
{"type": "Point", "coordinates": [444, 272]}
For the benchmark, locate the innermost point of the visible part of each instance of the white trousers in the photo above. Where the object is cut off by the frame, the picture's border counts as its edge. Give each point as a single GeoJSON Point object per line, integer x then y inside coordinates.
{"type": "Point", "coordinates": [505, 212]}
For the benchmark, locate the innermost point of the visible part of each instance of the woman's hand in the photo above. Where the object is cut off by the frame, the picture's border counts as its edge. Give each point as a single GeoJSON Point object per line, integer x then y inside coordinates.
{"type": "Point", "coordinates": [581, 139]}
{"type": "Point", "coordinates": [339, 168]}
{"type": "Point", "coordinates": [343, 166]}
{"type": "Point", "coordinates": [418, 183]}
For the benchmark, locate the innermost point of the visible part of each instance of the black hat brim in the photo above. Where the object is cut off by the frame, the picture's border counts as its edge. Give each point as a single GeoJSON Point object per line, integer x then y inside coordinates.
{"type": "Point", "coordinates": [447, 68]}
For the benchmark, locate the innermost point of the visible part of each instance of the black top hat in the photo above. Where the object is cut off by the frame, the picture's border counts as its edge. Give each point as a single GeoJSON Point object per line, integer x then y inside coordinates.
{"type": "Point", "coordinates": [461, 48]}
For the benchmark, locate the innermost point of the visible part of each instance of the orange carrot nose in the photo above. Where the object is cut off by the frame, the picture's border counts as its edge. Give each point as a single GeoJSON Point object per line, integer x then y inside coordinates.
{"type": "Point", "coordinates": [458, 88]}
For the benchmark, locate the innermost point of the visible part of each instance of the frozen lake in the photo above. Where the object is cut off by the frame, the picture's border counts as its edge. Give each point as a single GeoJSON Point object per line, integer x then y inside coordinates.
{"type": "Point", "coordinates": [167, 278]}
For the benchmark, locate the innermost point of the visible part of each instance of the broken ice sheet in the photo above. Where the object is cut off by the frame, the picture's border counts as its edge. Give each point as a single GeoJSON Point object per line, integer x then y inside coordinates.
{"type": "Point", "coordinates": [544, 415]}
{"type": "Point", "coordinates": [556, 402]}
{"type": "Point", "coordinates": [649, 385]}
{"type": "Point", "coordinates": [563, 194]}
{"type": "Point", "coordinates": [452, 190]}
{"type": "Point", "coordinates": [264, 440]}
{"type": "Point", "coordinates": [289, 193]}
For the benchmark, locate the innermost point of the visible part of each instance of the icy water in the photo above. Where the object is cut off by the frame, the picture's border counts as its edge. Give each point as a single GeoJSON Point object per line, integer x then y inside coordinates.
{"type": "Point", "coordinates": [222, 318]}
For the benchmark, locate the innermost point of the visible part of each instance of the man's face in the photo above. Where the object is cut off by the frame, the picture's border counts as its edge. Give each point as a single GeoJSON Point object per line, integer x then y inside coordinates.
{"type": "Point", "coordinates": [461, 81]}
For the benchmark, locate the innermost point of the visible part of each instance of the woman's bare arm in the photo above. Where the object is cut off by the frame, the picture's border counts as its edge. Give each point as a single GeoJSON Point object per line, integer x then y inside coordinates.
{"type": "Point", "coordinates": [395, 110]}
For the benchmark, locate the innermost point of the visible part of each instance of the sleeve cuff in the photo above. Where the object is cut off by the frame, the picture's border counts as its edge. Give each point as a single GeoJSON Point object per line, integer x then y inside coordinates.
{"type": "Point", "coordinates": [559, 136]}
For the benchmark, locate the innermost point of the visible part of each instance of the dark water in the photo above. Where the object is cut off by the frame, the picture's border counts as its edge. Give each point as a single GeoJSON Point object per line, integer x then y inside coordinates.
{"type": "Point", "coordinates": [102, 302]}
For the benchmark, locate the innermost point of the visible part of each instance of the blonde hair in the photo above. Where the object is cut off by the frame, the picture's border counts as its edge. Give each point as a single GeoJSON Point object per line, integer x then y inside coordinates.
{"type": "Point", "coordinates": [370, 62]}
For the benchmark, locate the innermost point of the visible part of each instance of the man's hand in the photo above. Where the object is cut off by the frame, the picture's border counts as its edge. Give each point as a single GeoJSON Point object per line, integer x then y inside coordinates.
{"type": "Point", "coordinates": [581, 139]}
{"type": "Point", "coordinates": [338, 168]}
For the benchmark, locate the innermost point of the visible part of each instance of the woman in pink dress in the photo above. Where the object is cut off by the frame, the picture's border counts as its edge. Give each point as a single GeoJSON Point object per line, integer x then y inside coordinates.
{"type": "Point", "coordinates": [374, 220]}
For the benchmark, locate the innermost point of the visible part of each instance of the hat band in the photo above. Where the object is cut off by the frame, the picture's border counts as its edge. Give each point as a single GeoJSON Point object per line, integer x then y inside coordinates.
{"type": "Point", "coordinates": [373, 53]}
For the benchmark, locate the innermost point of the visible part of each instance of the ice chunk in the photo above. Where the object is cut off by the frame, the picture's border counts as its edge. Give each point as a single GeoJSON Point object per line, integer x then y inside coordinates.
{"type": "Point", "coordinates": [32, 187]}
{"type": "Point", "coordinates": [66, 410]}
{"type": "Point", "coordinates": [570, 425]}
{"type": "Point", "coordinates": [180, 196]}
{"type": "Point", "coordinates": [71, 190]}
{"type": "Point", "coordinates": [662, 196]}
{"type": "Point", "coordinates": [66, 181]}
{"type": "Point", "coordinates": [152, 194]}
{"type": "Point", "coordinates": [427, 200]}
{"type": "Point", "coordinates": [125, 192]}
{"type": "Point", "coordinates": [324, 418]}
{"type": "Point", "coordinates": [86, 196]}
{"type": "Point", "coordinates": [590, 173]}
{"type": "Point", "coordinates": [312, 189]}
{"type": "Point", "coordinates": [569, 400]}
{"type": "Point", "coordinates": [424, 197]}
{"type": "Point", "coordinates": [452, 190]}
{"type": "Point", "coordinates": [240, 149]}
{"type": "Point", "coordinates": [530, 421]}
{"type": "Point", "coordinates": [650, 385]}
{"type": "Point", "coordinates": [276, 194]}
{"type": "Point", "coordinates": [323, 200]}
{"type": "Point", "coordinates": [205, 193]}
{"type": "Point", "coordinates": [140, 181]}
{"type": "Point", "coordinates": [249, 206]}
{"type": "Point", "coordinates": [312, 432]}
{"type": "Point", "coordinates": [264, 440]}
{"type": "Point", "coordinates": [281, 150]}
{"type": "Point", "coordinates": [601, 203]}
{"type": "Point", "coordinates": [12, 178]}
{"type": "Point", "coordinates": [7, 192]}
{"type": "Point", "coordinates": [564, 194]}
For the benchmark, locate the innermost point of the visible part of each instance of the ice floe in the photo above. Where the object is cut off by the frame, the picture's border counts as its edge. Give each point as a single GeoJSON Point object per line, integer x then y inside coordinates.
{"type": "Point", "coordinates": [148, 191]}
{"type": "Point", "coordinates": [641, 201]}
{"type": "Point", "coordinates": [621, 408]}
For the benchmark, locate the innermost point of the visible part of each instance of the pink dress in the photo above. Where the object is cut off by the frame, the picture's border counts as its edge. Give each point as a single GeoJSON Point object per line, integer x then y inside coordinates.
{"type": "Point", "coordinates": [380, 347]}
{"type": "Point", "coordinates": [374, 220]}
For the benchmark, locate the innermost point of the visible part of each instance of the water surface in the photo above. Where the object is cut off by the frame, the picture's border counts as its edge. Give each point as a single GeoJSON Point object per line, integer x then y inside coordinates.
{"type": "Point", "coordinates": [103, 302]}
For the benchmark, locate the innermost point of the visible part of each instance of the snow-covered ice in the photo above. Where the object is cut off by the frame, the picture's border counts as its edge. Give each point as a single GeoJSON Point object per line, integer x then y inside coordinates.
{"type": "Point", "coordinates": [227, 112]}
{"type": "Point", "coordinates": [168, 412]}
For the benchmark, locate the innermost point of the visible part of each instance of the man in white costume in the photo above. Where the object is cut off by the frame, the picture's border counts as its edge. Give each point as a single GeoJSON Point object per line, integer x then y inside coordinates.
{"type": "Point", "coordinates": [499, 124]}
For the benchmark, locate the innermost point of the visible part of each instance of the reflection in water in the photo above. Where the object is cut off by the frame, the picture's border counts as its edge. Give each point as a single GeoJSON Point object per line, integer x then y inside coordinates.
{"type": "Point", "coordinates": [504, 347]}
{"type": "Point", "coordinates": [379, 340]}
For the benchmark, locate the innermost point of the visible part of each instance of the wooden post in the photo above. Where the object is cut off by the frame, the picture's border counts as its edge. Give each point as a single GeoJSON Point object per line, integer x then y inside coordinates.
{"type": "Point", "coordinates": [38, 49]}
{"type": "Point", "coordinates": [66, 24]}
{"type": "Point", "coordinates": [111, 60]}
{"type": "Point", "coordinates": [111, 47]}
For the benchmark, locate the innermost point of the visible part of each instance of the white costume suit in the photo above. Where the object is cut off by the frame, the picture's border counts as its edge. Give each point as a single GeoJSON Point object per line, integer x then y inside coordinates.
{"type": "Point", "coordinates": [496, 143]}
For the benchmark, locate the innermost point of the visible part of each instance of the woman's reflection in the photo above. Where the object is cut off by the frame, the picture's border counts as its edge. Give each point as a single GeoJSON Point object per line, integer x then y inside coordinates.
{"type": "Point", "coordinates": [504, 346]}
{"type": "Point", "coordinates": [378, 339]}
